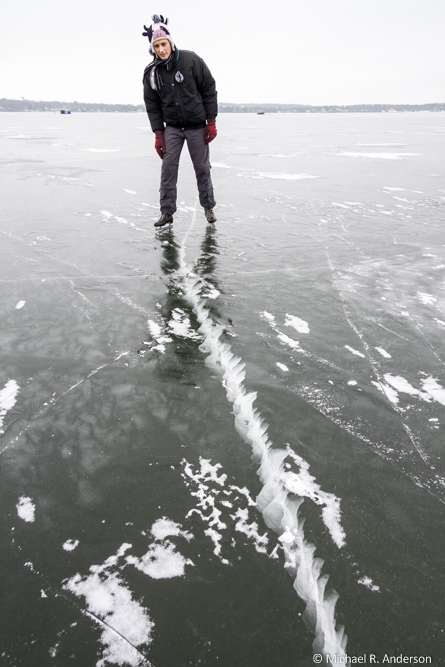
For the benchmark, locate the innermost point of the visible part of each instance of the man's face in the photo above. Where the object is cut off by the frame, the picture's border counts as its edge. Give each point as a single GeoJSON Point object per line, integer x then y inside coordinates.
{"type": "Point", "coordinates": [163, 48]}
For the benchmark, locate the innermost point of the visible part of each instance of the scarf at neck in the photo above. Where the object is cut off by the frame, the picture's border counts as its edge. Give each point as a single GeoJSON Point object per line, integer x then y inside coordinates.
{"type": "Point", "coordinates": [156, 81]}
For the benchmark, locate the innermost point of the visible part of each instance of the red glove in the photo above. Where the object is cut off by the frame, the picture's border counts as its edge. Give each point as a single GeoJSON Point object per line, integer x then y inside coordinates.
{"type": "Point", "coordinates": [210, 131]}
{"type": "Point", "coordinates": [160, 143]}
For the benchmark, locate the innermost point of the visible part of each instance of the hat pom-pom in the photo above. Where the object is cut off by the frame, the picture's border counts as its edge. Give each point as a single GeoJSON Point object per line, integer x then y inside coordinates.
{"type": "Point", "coordinates": [159, 19]}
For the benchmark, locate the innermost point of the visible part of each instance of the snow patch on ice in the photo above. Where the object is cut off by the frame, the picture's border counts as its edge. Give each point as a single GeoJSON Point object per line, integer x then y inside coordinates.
{"type": "Point", "coordinates": [356, 352]}
{"type": "Point", "coordinates": [383, 352]}
{"type": "Point", "coordinates": [367, 581]}
{"type": "Point", "coordinates": [8, 396]}
{"type": "Point", "coordinates": [130, 192]}
{"type": "Point", "coordinates": [125, 624]}
{"type": "Point", "coordinates": [207, 484]}
{"type": "Point", "coordinates": [384, 144]}
{"type": "Point", "coordinates": [427, 299]}
{"type": "Point", "coordinates": [164, 527]}
{"type": "Point", "coordinates": [400, 384]}
{"type": "Point", "coordinates": [161, 561]}
{"type": "Point", "coordinates": [120, 355]}
{"type": "Point", "coordinates": [279, 176]}
{"type": "Point", "coordinates": [390, 393]}
{"type": "Point", "coordinates": [207, 505]}
{"type": "Point", "coordinates": [291, 342]}
{"type": "Point", "coordinates": [26, 509]}
{"type": "Point", "coordinates": [295, 322]}
{"type": "Point", "coordinates": [251, 530]}
{"type": "Point", "coordinates": [300, 325]}
{"type": "Point", "coordinates": [431, 389]}
{"type": "Point", "coordinates": [283, 367]}
{"type": "Point", "coordinates": [303, 484]}
{"type": "Point", "coordinates": [70, 545]}
{"type": "Point", "coordinates": [281, 154]}
{"type": "Point", "coordinates": [123, 221]}
{"type": "Point", "coordinates": [102, 150]}
{"type": "Point", "coordinates": [378, 156]}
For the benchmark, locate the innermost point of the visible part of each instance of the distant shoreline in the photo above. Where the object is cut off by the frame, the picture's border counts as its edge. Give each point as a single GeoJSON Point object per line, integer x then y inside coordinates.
{"type": "Point", "coordinates": [92, 107]}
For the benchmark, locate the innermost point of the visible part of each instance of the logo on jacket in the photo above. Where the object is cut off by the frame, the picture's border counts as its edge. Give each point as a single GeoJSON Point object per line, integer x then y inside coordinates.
{"type": "Point", "coordinates": [179, 78]}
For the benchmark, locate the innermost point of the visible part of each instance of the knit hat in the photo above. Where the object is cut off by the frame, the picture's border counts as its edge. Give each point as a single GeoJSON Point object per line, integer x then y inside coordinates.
{"type": "Point", "coordinates": [158, 30]}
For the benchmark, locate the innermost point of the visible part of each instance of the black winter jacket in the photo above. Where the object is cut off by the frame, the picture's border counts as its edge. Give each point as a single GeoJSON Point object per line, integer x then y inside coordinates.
{"type": "Point", "coordinates": [186, 96]}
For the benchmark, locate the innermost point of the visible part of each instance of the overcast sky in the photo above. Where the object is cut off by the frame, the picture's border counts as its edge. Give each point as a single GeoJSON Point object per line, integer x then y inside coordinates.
{"type": "Point", "coordinates": [301, 51]}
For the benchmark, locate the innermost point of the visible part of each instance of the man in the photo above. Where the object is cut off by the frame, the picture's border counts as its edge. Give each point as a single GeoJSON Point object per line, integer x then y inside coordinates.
{"type": "Point", "coordinates": [181, 102]}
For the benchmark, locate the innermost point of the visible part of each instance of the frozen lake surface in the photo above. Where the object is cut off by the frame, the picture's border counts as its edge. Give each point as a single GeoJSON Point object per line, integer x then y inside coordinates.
{"type": "Point", "coordinates": [223, 446]}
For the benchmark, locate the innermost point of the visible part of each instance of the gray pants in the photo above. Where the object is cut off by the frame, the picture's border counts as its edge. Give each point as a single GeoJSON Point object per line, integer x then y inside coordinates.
{"type": "Point", "coordinates": [199, 153]}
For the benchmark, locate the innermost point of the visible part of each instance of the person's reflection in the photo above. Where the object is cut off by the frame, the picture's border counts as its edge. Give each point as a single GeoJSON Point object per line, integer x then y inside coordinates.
{"type": "Point", "coordinates": [179, 327]}
{"type": "Point", "coordinates": [170, 252]}
{"type": "Point", "coordinates": [206, 266]}
{"type": "Point", "coordinates": [206, 262]}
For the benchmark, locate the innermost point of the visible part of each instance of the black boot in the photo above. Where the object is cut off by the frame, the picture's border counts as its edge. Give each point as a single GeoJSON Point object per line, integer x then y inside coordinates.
{"type": "Point", "coordinates": [211, 217]}
{"type": "Point", "coordinates": [165, 219]}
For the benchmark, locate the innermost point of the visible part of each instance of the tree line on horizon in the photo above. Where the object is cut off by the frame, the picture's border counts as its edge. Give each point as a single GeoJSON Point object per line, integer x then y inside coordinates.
{"type": "Point", "coordinates": [93, 107]}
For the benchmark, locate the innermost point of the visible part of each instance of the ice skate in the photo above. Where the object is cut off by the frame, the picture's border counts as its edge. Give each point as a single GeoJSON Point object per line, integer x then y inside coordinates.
{"type": "Point", "coordinates": [211, 217]}
{"type": "Point", "coordinates": [165, 219]}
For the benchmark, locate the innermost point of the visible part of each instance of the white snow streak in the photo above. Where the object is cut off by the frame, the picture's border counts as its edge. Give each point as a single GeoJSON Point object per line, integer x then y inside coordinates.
{"type": "Point", "coordinates": [279, 176]}
{"type": "Point", "coordinates": [431, 389]}
{"type": "Point", "coordinates": [356, 352]}
{"type": "Point", "coordinates": [383, 352]}
{"type": "Point", "coordinates": [102, 150]}
{"type": "Point", "coordinates": [283, 367]}
{"type": "Point", "coordinates": [291, 342]}
{"type": "Point", "coordinates": [378, 156]}
{"type": "Point", "coordinates": [7, 399]}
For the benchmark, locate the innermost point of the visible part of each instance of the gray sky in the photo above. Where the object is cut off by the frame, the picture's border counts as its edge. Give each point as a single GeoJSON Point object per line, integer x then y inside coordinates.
{"type": "Point", "coordinates": [302, 51]}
